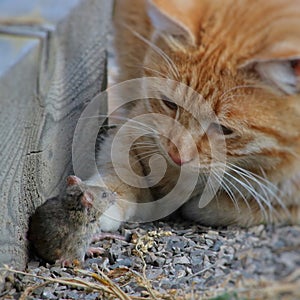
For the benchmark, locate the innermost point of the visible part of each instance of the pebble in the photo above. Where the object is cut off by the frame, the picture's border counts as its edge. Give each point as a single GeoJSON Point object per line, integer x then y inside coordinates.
{"type": "Point", "coordinates": [194, 256]}
{"type": "Point", "coordinates": [196, 260]}
{"type": "Point", "coordinates": [47, 293]}
{"type": "Point", "coordinates": [183, 260]}
{"type": "Point", "coordinates": [217, 246]}
{"type": "Point", "coordinates": [209, 242]}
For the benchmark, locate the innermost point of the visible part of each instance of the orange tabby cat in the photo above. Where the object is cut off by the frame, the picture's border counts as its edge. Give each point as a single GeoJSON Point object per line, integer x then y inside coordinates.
{"type": "Point", "coordinates": [243, 58]}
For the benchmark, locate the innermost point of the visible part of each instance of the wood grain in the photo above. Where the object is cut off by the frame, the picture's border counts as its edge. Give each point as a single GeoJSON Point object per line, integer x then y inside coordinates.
{"type": "Point", "coordinates": [57, 65]}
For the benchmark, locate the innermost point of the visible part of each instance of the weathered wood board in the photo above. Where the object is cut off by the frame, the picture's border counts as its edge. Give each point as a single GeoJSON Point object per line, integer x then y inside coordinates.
{"type": "Point", "coordinates": [52, 63]}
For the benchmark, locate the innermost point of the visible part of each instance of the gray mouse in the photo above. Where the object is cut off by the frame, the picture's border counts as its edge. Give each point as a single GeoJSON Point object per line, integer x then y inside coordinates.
{"type": "Point", "coordinates": [62, 228]}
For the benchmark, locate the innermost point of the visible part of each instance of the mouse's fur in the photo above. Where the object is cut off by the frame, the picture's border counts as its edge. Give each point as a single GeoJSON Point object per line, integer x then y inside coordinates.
{"type": "Point", "coordinates": [62, 228]}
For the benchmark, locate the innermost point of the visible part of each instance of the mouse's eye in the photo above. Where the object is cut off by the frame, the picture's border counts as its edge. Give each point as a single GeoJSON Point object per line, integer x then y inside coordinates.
{"type": "Point", "coordinates": [220, 129]}
{"type": "Point", "coordinates": [104, 195]}
{"type": "Point", "coordinates": [169, 103]}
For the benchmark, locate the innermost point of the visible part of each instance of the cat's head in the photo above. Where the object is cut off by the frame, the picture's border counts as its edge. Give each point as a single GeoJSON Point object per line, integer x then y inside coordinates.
{"type": "Point", "coordinates": [243, 58]}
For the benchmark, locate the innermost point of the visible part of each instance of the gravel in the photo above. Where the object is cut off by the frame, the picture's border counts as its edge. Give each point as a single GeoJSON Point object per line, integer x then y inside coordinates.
{"type": "Point", "coordinates": [169, 260]}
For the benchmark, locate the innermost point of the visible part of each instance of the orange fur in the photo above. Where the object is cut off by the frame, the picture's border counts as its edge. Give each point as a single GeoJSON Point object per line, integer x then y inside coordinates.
{"type": "Point", "coordinates": [216, 46]}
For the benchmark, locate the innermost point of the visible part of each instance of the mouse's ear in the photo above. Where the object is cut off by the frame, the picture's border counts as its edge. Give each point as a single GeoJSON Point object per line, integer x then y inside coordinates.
{"type": "Point", "coordinates": [176, 17]}
{"type": "Point", "coordinates": [87, 200]}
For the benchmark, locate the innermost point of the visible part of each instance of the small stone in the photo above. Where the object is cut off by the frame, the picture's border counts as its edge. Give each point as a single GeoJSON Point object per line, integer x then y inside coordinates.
{"type": "Point", "coordinates": [48, 293]}
{"type": "Point", "coordinates": [176, 244]}
{"type": "Point", "coordinates": [72, 294]}
{"type": "Point", "coordinates": [12, 292]}
{"type": "Point", "coordinates": [209, 242]}
{"type": "Point", "coordinates": [165, 283]}
{"type": "Point", "coordinates": [183, 260]}
{"type": "Point", "coordinates": [154, 273]}
{"type": "Point", "coordinates": [197, 260]}
{"type": "Point", "coordinates": [181, 273]}
{"type": "Point", "coordinates": [38, 291]}
{"type": "Point", "coordinates": [257, 230]}
{"type": "Point", "coordinates": [217, 245]}
{"type": "Point", "coordinates": [126, 262]}
{"type": "Point", "coordinates": [159, 262]}
{"type": "Point", "coordinates": [219, 272]}
{"type": "Point", "coordinates": [91, 296]}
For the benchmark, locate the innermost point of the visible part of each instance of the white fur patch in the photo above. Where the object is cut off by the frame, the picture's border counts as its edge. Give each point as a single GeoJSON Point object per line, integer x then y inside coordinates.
{"type": "Point", "coordinates": [111, 219]}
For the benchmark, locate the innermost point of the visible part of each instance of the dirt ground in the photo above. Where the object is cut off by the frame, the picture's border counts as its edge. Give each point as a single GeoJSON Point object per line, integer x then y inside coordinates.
{"type": "Point", "coordinates": [174, 260]}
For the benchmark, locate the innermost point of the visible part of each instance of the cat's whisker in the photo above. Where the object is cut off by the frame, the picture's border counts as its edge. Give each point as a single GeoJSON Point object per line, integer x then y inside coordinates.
{"type": "Point", "coordinates": [264, 188]}
{"type": "Point", "coordinates": [236, 167]}
{"type": "Point", "coordinates": [227, 189]}
{"type": "Point", "coordinates": [154, 71]}
{"type": "Point", "coordinates": [146, 126]}
{"type": "Point", "coordinates": [268, 187]}
{"type": "Point", "coordinates": [134, 147]}
{"type": "Point", "coordinates": [145, 143]}
{"type": "Point", "coordinates": [141, 157]}
{"type": "Point", "coordinates": [223, 166]}
{"type": "Point", "coordinates": [265, 197]}
{"type": "Point", "coordinates": [136, 122]}
{"type": "Point", "coordinates": [212, 188]}
{"type": "Point", "coordinates": [157, 50]}
{"type": "Point", "coordinates": [139, 129]}
{"type": "Point", "coordinates": [148, 154]}
{"type": "Point", "coordinates": [136, 136]}
{"type": "Point", "coordinates": [240, 193]}
{"type": "Point", "coordinates": [277, 198]}
{"type": "Point", "coordinates": [257, 197]}
{"type": "Point", "coordinates": [232, 97]}
{"type": "Point", "coordinates": [245, 177]}
{"type": "Point", "coordinates": [255, 86]}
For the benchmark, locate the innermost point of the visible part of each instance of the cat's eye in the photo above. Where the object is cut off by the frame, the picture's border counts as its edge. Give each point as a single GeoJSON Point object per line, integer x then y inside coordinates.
{"type": "Point", "coordinates": [219, 129]}
{"type": "Point", "coordinates": [169, 103]}
{"type": "Point", "coordinates": [295, 64]}
{"type": "Point", "coordinates": [284, 74]}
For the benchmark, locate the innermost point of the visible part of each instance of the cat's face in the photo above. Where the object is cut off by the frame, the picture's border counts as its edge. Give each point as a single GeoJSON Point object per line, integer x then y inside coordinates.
{"type": "Point", "coordinates": [243, 58]}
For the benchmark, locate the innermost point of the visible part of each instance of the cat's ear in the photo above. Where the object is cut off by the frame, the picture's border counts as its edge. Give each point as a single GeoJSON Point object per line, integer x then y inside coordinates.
{"type": "Point", "coordinates": [278, 61]}
{"type": "Point", "coordinates": [176, 17]}
{"type": "Point", "coordinates": [282, 73]}
{"type": "Point", "coordinates": [279, 65]}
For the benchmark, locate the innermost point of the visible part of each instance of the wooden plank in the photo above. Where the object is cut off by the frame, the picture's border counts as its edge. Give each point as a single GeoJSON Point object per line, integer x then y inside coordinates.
{"type": "Point", "coordinates": [17, 111]}
{"type": "Point", "coordinates": [58, 66]}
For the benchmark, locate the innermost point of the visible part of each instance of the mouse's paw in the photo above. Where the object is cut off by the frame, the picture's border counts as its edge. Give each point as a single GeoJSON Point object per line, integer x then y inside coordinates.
{"type": "Point", "coordinates": [65, 262]}
{"type": "Point", "coordinates": [91, 251]}
{"type": "Point", "coordinates": [108, 236]}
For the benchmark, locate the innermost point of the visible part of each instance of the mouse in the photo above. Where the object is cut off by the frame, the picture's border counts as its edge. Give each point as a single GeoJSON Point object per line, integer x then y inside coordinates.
{"type": "Point", "coordinates": [62, 228]}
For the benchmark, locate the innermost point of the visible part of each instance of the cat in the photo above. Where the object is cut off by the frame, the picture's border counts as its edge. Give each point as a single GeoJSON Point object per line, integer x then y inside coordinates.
{"type": "Point", "coordinates": [243, 58]}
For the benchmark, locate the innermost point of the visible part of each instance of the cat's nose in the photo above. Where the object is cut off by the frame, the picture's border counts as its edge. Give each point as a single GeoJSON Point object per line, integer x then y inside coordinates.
{"type": "Point", "coordinates": [176, 158]}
